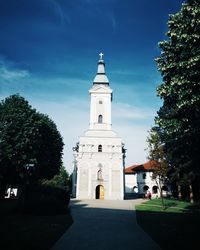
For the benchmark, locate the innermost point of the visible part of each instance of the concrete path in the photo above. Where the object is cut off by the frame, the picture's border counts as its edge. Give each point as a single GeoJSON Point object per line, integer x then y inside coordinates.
{"type": "Point", "coordinates": [104, 225]}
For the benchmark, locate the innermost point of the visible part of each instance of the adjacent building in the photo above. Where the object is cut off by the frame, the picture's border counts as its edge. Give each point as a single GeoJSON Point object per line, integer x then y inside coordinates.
{"type": "Point", "coordinates": [139, 181]}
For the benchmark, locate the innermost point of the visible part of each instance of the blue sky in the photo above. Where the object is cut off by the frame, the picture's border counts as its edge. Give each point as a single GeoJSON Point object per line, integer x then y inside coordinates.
{"type": "Point", "coordinates": [49, 52]}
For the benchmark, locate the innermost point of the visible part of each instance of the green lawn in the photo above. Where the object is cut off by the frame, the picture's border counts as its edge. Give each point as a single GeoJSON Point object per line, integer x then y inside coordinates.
{"type": "Point", "coordinates": [175, 227]}
{"type": "Point", "coordinates": [29, 232]}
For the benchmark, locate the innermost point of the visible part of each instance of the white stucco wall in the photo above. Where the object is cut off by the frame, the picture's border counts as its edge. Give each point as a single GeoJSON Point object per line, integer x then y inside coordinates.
{"type": "Point", "coordinates": [137, 180]}
{"type": "Point", "coordinates": [130, 183]}
{"type": "Point", "coordinates": [89, 161]}
{"type": "Point", "coordinates": [100, 93]}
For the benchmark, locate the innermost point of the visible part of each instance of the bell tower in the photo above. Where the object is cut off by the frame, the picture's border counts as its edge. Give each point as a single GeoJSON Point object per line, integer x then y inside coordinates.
{"type": "Point", "coordinates": [98, 156]}
{"type": "Point", "coordinates": [101, 99]}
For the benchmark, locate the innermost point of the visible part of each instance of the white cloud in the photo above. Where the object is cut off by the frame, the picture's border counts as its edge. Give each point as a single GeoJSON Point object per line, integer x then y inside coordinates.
{"type": "Point", "coordinates": [124, 72]}
{"type": "Point", "coordinates": [59, 11]}
{"type": "Point", "coordinates": [113, 21]}
{"type": "Point", "coordinates": [127, 111]}
{"type": "Point", "coordinates": [10, 74]}
{"type": "Point", "coordinates": [134, 138]}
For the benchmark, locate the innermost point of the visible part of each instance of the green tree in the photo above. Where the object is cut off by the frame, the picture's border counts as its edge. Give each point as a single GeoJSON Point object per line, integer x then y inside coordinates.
{"type": "Point", "coordinates": [49, 148]}
{"type": "Point", "coordinates": [26, 137]}
{"type": "Point", "coordinates": [61, 180]}
{"type": "Point", "coordinates": [157, 156]}
{"type": "Point", "coordinates": [179, 117]}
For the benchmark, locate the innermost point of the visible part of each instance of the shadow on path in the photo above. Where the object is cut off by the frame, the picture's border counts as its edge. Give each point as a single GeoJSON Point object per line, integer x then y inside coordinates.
{"type": "Point", "coordinates": [104, 225]}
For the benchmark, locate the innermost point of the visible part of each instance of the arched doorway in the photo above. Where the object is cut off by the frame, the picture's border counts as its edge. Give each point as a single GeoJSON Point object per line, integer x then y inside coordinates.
{"type": "Point", "coordinates": [154, 189]}
{"type": "Point", "coordinates": [135, 189]}
{"type": "Point", "coordinates": [145, 188]}
{"type": "Point", "coordinates": [99, 192]}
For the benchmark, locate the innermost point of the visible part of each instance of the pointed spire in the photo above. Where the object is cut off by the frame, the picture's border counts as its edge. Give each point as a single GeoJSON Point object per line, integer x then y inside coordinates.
{"type": "Point", "coordinates": [101, 77]}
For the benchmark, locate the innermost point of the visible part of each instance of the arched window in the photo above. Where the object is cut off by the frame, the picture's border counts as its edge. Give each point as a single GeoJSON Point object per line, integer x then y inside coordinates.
{"type": "Point", "coordinates": [154, 189]}
{"type": "Point", "coordinates": [144, 176]}
{"type": "Point", "coordinates": [100, 148]}
{"type": "Point", "coordinates": [100, 119]}
{"type": "Point", "coordinates": [145, 188]}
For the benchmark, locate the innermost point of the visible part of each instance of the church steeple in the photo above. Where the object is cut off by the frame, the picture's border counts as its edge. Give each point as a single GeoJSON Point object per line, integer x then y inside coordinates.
{"type": "Point", "coordinates": [98, 161]}
{"type": "Point", "coordinates": [101, 77]}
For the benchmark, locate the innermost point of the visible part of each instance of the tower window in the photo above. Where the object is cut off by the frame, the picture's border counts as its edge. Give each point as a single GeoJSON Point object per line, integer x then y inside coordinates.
{"type": "Point", "coordinates": [100, 148]}
{"type": "Point", "coordinates": [144, 176]}
{"type": "Point", "coordinates": [100, 119]}
{"type": "Point", "coordinates": [100, 102]}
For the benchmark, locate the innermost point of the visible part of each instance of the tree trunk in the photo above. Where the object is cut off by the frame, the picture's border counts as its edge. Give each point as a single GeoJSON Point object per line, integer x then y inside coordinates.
{"type": "Point", "coordinates": [161, 193]}
{"type": "Point", "coordinates": [191, 194]}
{"type": "Point", "coordinates": [196, 189]}
{"type": "Point", "coordinates": [179, 192]}
{"type": "Point", "coordinates": [162, 198]}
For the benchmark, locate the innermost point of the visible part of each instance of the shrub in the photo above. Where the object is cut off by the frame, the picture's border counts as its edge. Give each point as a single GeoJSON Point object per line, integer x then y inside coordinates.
{"type": "Point", "coordinates": [46, 200]}
{"type": "Point", "coordinates": [61, 180]}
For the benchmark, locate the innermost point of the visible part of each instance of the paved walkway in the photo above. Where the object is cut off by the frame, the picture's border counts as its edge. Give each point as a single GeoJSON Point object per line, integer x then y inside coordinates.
{"type": "Point", "coordinates": [104, 225]}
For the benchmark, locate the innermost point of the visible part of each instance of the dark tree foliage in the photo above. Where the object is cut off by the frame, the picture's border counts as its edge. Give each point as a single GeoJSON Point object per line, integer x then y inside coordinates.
{"type": "Point", "coordinates": [49, 148]}
{"type": "Point", "coordinates": [27, 137]}
{"type": "Point", "coordinates": [179, 117]}
{"type": "Point", "coordinates": [61, 180]}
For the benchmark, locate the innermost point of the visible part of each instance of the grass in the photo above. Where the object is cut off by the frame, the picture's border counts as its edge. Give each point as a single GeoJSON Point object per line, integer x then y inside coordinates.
{"type": "Point", "coordinates": [171, 205]}
{"type": "Point", "coordinates": [175, 227]}
{"type": "Point", "coordinates": [20, 231]}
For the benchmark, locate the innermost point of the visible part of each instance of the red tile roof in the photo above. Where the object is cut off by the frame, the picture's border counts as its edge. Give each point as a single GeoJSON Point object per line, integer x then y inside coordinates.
{"type": "Point", "coordinates": [130, 170]}
{"type": "Point", "coordinates": [145, 167]}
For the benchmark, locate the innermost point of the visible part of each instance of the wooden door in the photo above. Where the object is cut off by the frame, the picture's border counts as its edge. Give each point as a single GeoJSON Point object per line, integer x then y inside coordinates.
{"type": "Point", "coordinates": [101, 196]}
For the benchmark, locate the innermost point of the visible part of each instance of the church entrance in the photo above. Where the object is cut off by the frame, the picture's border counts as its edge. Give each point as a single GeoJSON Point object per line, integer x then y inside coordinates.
{"type": "Point", "coordinates": [100, 192]}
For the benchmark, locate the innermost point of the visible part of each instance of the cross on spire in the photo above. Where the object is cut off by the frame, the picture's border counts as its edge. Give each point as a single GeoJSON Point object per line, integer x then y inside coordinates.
{"type": "Point", "coordinates": [101, 56]}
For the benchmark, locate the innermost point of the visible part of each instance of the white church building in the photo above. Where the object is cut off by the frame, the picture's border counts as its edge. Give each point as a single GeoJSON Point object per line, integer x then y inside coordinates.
{"type": "Point", "coordinates": [99, 155]}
